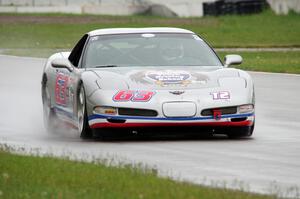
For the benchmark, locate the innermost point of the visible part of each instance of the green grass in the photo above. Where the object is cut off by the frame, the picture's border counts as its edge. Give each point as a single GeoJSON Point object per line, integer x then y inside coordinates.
{"type": "Point", "coordinates": [31, 52]}
{"type": "Point", "coordinates": [62, 31]}
{"type": "Point", "coordinates": [36, 177]}
{"type": "Point", "coordinates": [279, 62]}
{"type": "Point", "coordinates": [47, 33]}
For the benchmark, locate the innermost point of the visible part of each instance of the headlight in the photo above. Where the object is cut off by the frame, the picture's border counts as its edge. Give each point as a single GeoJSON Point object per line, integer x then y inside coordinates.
{"type": "Point", "coordinates": [105, 110]}
{"type": "Point", "coordinates": [247, 108]}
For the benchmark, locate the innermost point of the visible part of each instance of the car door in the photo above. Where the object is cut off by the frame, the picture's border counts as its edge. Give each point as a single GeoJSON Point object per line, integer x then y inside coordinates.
{"type": "Point", "coordinates": [66, 82]}
{"type": "Point", "coordinates": [75, 58]}
{"type": "Point", "coordinates": [63, 93]}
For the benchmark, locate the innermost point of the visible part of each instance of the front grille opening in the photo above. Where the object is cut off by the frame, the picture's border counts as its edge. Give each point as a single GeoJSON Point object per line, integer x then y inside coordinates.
{"type": "Point", "coordinates": [240, 119]}
{"type": "Point", "coordinates": [224, 111]}
{"type": "Point", "coordinates": [137, 112]}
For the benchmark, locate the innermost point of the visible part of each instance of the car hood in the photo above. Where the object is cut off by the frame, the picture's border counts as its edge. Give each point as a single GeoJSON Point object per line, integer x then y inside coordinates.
{"type": "Point", "coordinates": [163, 78]}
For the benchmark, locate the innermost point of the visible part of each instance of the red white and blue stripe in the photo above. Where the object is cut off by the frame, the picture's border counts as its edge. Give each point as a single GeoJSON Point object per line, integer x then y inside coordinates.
{"type": "Point", "coordinates": [102, 121]}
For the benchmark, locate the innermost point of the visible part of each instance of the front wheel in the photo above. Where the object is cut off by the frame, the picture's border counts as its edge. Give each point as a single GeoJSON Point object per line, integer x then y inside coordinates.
{"type": "Point", "coordinates": [82, 120]}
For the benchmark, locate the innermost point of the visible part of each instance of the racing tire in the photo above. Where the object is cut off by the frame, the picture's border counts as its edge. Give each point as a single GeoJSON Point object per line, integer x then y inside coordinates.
{"type": "Point", "coordinates": [240, 132]}
{"type": "Point", "coordinates": [82, 119]}
{"type": "Point", "coordinates": [48, 112]}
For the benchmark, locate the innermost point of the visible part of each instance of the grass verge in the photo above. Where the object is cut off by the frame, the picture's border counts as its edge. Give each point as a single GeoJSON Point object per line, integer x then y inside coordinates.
{"type": "Point", "coordinates": [46, 177]}
{"type": "Point", "coordinates": [31, 52]}
{"type": "Point", "coordinates": [62, 31]}
{"type": "Point", "coordinates": [278, 62]}
{"type": "Point", "coordinates": [49, 32]}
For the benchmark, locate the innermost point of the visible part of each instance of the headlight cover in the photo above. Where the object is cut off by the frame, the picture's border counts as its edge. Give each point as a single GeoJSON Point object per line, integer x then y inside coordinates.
{"type": "Point", "coordinates": [247, 108]}
{"type": "Point", "coordinates": [105, 110]}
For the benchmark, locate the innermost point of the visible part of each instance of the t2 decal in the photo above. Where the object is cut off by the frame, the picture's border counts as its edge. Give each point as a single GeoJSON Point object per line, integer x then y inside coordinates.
{"type": "Point", "coordinates": [135, 96]}
{"type": "Point", "coordinates": [220, 95]}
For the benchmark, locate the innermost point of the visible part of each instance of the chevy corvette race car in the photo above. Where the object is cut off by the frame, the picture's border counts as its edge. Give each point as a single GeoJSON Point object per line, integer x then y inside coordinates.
{"type": "Point", "coordinates": [144, 78]}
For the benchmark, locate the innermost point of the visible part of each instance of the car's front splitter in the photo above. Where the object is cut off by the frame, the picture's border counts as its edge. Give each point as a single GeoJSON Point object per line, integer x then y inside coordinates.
{"type": "Point", "coordinates": [108, 121]}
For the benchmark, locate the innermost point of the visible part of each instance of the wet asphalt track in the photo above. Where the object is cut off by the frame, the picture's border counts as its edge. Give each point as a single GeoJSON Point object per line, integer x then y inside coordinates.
{"type": "Point", "coordinates": [267, 163]}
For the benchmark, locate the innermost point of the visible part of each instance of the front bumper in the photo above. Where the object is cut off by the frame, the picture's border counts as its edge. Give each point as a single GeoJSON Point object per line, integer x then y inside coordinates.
{"type": "Point", "coordinates": [109, 121]}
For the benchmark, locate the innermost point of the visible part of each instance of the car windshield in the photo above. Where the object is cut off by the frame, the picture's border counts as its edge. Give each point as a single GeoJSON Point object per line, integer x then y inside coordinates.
{"type": "Point", "coordinates": [148, 49]}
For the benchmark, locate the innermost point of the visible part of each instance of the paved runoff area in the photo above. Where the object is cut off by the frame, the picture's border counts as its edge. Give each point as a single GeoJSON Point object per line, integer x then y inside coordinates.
{"type": "Point", "coordinates": [269, 162]}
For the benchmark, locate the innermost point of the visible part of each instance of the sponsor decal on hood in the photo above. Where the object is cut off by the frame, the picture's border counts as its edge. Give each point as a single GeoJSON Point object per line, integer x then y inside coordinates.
{"type": "Point", "coordinates": [169, 77]}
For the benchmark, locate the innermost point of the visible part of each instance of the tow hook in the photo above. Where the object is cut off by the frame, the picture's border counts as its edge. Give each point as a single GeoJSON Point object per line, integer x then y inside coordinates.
{"type": "Point", "coordinates": [217, 114]}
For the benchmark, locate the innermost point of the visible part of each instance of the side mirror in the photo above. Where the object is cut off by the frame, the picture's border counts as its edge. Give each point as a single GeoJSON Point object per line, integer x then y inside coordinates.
{"type": "Point", "coordinates": [62, 63]}
{"type": "Point", "coordinates": [232, 60]}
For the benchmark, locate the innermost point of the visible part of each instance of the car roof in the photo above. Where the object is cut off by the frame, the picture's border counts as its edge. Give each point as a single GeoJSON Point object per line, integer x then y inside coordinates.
{"type": "Point", "coordinates": [109, 31]}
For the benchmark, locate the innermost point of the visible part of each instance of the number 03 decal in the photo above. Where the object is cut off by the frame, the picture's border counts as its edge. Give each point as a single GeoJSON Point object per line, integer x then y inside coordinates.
{"type": "Point", "coordinates": [135, 96]}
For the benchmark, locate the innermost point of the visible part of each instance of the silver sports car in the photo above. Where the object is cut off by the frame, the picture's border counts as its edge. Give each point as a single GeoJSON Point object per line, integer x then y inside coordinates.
{"type": "Point", "coordinates": [135, 79]}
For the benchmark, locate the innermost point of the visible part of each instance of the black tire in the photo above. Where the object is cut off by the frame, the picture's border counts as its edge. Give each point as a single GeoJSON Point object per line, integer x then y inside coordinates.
{"type": "Point", "coordinates": [240, 132]}
{"type": "Point", "coordinates": [82, 119]}
{"type": "Point", "coordinates": [48, 112]}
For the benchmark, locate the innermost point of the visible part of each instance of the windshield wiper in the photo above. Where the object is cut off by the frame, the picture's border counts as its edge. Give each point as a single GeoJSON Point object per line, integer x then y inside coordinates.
{"type": "Point", "coordinates": [105, 66]}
